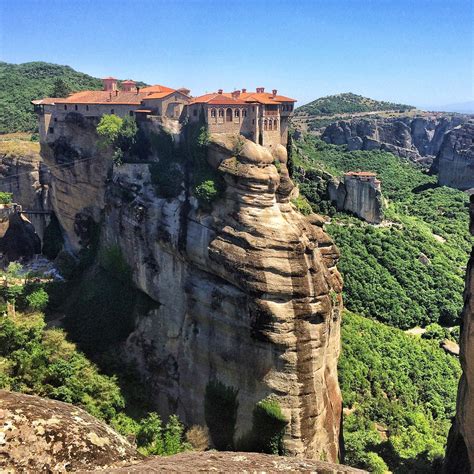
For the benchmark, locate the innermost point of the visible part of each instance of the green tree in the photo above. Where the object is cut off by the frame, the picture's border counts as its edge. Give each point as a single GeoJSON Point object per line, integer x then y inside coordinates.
{"type": "Point", "coordinates": [61, 88]}
{"type": "Point", "coordinates": [109, 129]}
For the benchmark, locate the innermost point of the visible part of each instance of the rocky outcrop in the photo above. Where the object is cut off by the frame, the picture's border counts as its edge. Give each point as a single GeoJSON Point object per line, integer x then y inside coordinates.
{"type": "Point", "coordinates": [460, 448]}
{"type": "Point", "coordinates": [41, 435]}
{"type": "Point", "coordinates": [20, 240]}
{"type": "Point", "coordinates": [416, 138]}
{"type": "Point", "coordinates": [359, 193]}
{"type": "Point", "coordinates": [248, 294]}
{"type": "Point", "coordinates": [79, 170]}
{"type": "Point", "coordinates": [224, 462]}
{"type": "Point", "coordinates": [24, 174]}
{"type": "Point", "coordinates": [455, 160]}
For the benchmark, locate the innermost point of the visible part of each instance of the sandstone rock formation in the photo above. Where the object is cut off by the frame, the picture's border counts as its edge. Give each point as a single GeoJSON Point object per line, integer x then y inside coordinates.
{"type": "Point", "coordinates": [20, 239]}
{"type": "Point", "coordinates": [41, 435]}
{"type": "Point", "coordinates": [418, 139]}
{"type": "Point", "coordinates": [455, 160]}
{"type": "Point", "coordinates": [23, 173]}
{"type": "Point", "coordinates": [249, 294]}
{"type": "Point", "coordinates": [224, 462]}
{"type": "Point", "coordinates": [363, 197]}
{"type": "Point", "coordinates": [460, 449]}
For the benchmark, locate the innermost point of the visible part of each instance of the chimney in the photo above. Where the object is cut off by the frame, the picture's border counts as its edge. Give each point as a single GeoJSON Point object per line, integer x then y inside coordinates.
{"type": "Point", "coordinates": [260, 90]}
{"type": "Point", "coordinates": [138, 90]}
{"type": "Point", "coordinates": [110, 83]}
{"type": "Point", "coordinates": [274, 92]}
{"type": "Point", "coordinates": [116, 92]}
{"type": "Point", "coordinates": [244, 91]}
{"type": "Point", "coordinates": [220, 91]}
{"type": "Point", "coordinates": [235, 94]}
{"type": "Point", "coordinates": [128, 86]}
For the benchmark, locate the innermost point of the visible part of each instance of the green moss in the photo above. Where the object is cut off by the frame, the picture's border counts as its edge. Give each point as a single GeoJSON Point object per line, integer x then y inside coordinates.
{"type": "Point", "coordinates": [302, 205]}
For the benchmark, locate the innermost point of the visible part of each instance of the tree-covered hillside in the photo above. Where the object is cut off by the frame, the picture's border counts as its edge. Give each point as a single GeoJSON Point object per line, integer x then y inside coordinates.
{"type": "Point", "coordinates": [347, 103]}
{"type": "Point", "coordinates": [410, 270]}
{"type": "Point", "coordinates": [25, 82]}
{"type": "Point", "coordinates": [399, 395]}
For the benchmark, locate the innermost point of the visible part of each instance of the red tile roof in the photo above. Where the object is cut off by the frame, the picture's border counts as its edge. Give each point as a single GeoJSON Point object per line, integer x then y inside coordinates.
{"type": "Point", "coordinates": [243, 98]}
{"type": "Point", "coordinates": [360, 173]}
{"type": "Point", "coordinates": [110, 97]}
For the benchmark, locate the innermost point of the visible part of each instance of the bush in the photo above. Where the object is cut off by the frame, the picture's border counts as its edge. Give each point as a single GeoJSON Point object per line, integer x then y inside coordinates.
{"type": "Point", "coordinates": [435, 331]}
{"type": "Point", "coordinates": [302, 205]}
{"type": "Point", "coordinates": [167, 178]}
{"type": "Point", "coordinates": [198, 438]}
{"type": "Point", "coordinates": [38, 300]}
{"type": "Point", "coordinates": [206, 192]}
{"type": "Point", "coordinates": [109, 129]}
{"type": "Point", "coordinates": [220, 411]}
{"type": "Point", "coordinates": [5, 198]}
{"type": "Point", "coordinates": [268, 427]}
{"type": "Point", "coordinates": [152, 439]}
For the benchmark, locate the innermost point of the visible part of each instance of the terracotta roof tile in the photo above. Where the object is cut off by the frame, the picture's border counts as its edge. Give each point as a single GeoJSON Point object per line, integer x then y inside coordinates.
{"type": "Point", "coordinates": [218, 99]}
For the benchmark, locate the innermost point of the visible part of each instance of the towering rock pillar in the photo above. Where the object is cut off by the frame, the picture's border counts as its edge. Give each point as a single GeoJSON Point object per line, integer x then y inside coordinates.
{"type": "Point", "coordinates": [460, 450]}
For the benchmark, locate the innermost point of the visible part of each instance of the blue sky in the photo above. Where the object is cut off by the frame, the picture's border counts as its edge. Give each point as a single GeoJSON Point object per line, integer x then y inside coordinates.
{"type": "Point", "coordinates": [412, 51]}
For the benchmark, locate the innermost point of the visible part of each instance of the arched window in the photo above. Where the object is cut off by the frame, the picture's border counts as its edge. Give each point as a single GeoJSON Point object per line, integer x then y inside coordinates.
{"type": "Point", "coordinates": [236, 113]}
{"type": "Point", "coordinates": [275, 124]}
{"type": "Point", "coordinates": [213, 113]}
{"type": "Point", "coordinates": [265, 124]}
{"type": "Point", "coordinates": [244, 113]}
{"type": "Point", "coordinates": [228, 115]}
{"type": "Point", "coordinates": [270, 123]}
{"type": "Point", "coordinates": [221, 112]}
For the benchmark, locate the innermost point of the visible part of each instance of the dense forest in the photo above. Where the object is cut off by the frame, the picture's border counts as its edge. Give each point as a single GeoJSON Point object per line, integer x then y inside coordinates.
{"type": "Point", "coordinates": [410, 270]}
{"type": "Point", "coordinates": [347, 103]}
{"type": "Point", "coordinates": [399, 395]}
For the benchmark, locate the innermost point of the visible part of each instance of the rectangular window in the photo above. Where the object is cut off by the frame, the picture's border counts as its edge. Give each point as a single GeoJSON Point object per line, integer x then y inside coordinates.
{"type": "Point", "coordinates": [51, 130]}
{"type": "Point", "coordinates": [195, 112]}
{"type": "Point", "coordinates": [65, 107]}
{"type": "Point", "coordinates": [253, 121]}
{"type": "Point", "coordinates": [112, 111]}
{"type": "Point", "coordinates": [131, 113]}
{"type": "Point", "coordinates": [75, 107]}
{"type": "Point", "coordinates": [87, 107]}
{"type": "Point", "coordinates": [55, 119]}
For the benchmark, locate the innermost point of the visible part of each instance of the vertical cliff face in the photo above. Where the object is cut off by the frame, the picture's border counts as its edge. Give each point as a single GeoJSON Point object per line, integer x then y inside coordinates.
{"type": "Point", "coordinates": [460, 450]}
{"type": "Point", "coordinates": [79, 169]}
{"type": "Point", "coordinates": [24, 174]}
{"type": "Point", "coordinates": [455, 160]}
{"type": "Point", "coordinates": [247, 293]}
{"type": "Point", "coordinates": [418, 139]}
{"type": "Point", "coordinates": [363, 197]}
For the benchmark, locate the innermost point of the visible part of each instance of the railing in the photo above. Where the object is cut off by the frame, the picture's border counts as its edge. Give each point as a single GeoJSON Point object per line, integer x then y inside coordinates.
{"type": "Point", "coordinates": [271, 112]}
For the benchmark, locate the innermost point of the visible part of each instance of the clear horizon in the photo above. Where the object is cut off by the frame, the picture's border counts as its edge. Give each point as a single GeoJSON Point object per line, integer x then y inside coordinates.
{"type": "Point", "coordinates": [414, 52]}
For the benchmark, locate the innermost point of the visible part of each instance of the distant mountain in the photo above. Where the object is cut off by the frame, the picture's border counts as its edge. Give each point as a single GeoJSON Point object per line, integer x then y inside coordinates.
{"type": "Point", "coordinates": [347, 103]}
{"type": "Point", "coordinates": [23, 82]}
{"type": "Point", "coordinates": [461, 107]}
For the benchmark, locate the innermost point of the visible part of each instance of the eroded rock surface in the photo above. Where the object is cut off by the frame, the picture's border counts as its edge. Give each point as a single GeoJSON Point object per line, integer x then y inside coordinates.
{"type": "Point", "coordinates": [362, 197]}
{"type": "Point", "coordinates": [418, 139]}
{"type": "Point", "coordinates": [24, 174]}
{"type": "Point", "coordinates": [41, 435]}
{"type": "Point", "coordinates": [455, 160]}
{"type": "Point", "coordinates": [223, 462]}
{"type": "Point", "coordinates": [460, 449]}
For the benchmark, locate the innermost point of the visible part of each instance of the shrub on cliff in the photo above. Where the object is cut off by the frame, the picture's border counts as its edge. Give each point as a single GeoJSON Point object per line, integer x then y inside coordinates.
{"type": "Point", "coordinates": [5, 198]}
{"type": "Point", "coordinates": [220, 411]}
{"type": "Point", "coordinates": [268, 427]}
{"type": "Point", "coordinates": [108, 129]}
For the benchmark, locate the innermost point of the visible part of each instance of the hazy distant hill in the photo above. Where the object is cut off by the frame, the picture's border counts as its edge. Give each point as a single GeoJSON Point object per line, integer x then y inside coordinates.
{"type": "Point", "coordinates": [347, 103]}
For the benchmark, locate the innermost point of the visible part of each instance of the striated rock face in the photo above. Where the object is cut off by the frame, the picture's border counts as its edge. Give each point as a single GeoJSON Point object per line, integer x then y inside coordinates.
{"type": "Point", "coordinates": [79, 169]}
{"type": "Point", "coordinates": [248, 294]}
{"type": "Point", "coordinates": [460, 449]}
{"type": "Point", "coordinates": [361, 197]}
{"type": "Point", "coordinates": [23, 173]}
{"type": "Point", "coordinates": [41, 435]}
{"type": "Point", "coordinates": [455, 160]}
{"type": "Point", "coordinates": [418, 139]}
